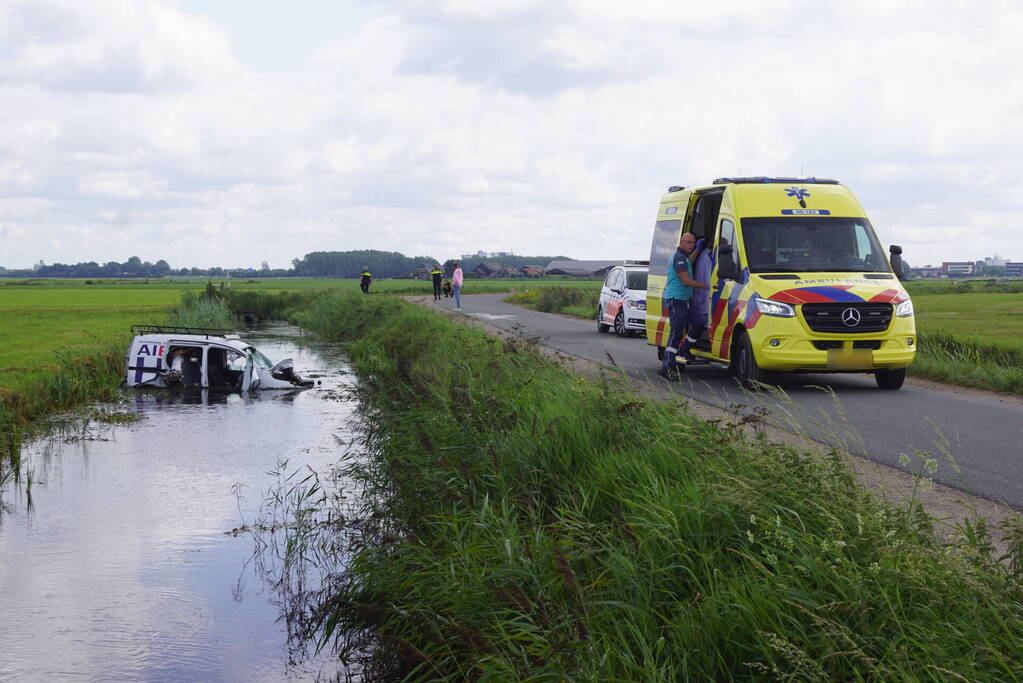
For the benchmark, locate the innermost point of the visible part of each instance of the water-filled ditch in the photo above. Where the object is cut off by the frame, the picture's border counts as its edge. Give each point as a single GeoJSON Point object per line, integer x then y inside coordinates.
{"type": "Point", "coordinates": [117, 557]}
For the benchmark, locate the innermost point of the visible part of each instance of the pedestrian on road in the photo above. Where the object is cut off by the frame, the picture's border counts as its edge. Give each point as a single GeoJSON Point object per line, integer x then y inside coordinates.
{"type": "Point", "coordinates": [447, 289]}
{"type": "Point", "coordinates": [367, 278]}
{"type": "Point", "coordinates": [436, 274]}
{"type": "Point", "coordinates": [456, 285]}
{"type": "Point", "coordinates": [677, 294]}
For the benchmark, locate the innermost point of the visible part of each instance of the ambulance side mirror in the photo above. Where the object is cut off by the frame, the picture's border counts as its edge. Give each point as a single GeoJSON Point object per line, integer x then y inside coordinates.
{"type": "Point", "coordinates": [726, 263]}
{"type": "Point", "coordinates": [895, 252]}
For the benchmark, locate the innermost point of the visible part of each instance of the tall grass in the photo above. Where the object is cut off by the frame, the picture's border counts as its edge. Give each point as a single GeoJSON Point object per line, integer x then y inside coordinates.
{"type": "Point", "coordinates": [206, 309]}
{"type": "Point", "coordinates": [534, 525]}
{"type": "Point", "coordinates": [74, 380]}
{"type": "Point", "coordinates": [576, 301]}
{"type": "Point", "coordinates": [955, 359]}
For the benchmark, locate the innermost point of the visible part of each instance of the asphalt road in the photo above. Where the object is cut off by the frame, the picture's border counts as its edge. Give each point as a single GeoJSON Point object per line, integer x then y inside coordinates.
{"type": "Point", "coordinates": [975, 438]}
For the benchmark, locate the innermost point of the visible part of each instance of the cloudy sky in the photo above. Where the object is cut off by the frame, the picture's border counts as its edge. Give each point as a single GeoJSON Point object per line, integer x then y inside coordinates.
{"type": "Point", "coordinates": [229, 132]}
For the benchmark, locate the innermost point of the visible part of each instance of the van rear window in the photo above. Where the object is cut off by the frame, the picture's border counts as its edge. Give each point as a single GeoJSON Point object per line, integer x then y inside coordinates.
{"type": "Point", "coordinates": [665, 240]}
{"type": "Point", "coordinates": [807, 244]}
{"type": "Point", "coordinates": [637, 279]}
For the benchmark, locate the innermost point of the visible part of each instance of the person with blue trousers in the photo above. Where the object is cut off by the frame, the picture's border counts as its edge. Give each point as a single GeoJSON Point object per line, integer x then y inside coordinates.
{"type": "Point", "coordinates": [699, 302]}
{"type": "Point", "coordinates": [456, 285]}
{"type": "Point", "coordinates": [677, 294]}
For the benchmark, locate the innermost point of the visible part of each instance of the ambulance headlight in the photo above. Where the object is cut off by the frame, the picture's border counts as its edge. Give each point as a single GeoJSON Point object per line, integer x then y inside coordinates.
{"type": "Point", "coordinates": [905, 309]}
{"type": "Point", "coordinates": [775, 308]}
{"type": "Point", "coordinates": [640, 305]}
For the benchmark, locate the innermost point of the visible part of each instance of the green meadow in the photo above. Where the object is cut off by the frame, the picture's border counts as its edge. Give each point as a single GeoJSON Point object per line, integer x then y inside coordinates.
{"type": "Point", "coordinates": [48, 326]}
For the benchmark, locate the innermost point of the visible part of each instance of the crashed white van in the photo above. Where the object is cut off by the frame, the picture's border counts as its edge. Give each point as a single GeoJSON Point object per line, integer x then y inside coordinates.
{"type": "Point", "coordinates": [163, 356]}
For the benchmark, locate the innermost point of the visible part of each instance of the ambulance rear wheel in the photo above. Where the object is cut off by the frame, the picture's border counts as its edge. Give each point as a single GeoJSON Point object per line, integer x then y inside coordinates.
{"type": "Point", "coordinates": [744, 364]}
{"type": "Point", "coordinates": [890, 379]}
{"type": "Point", "coordinates": [602, 327]}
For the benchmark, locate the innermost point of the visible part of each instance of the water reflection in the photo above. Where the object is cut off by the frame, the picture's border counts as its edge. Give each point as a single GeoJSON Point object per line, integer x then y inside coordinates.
{"type": "Point", "coordinates": [114, 562]}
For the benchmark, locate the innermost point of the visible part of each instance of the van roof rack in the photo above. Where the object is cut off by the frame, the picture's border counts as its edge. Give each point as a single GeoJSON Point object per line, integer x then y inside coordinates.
{"type": "Point", "coordinates": [174, 329]}
{"type": "Point", "coordinates": [747, 180]}
{"type": "Point", "coordinates": [627, 262]}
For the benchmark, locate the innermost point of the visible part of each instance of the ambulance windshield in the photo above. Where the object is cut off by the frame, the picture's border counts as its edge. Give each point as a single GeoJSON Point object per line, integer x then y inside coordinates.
{"type": "Point", "coordinates": [798, 244]}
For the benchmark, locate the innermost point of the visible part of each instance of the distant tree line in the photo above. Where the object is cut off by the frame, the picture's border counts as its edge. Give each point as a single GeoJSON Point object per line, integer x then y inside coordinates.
{"type": "Point", "coordinates": [342, 264]}
{"type": "Point", "coordinates": [351, 263]}
{"type": "Point", "coordinates": [135, 267]}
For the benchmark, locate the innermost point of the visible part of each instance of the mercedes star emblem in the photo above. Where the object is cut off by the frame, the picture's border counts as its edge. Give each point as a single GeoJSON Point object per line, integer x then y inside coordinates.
{"type": "Point", "coordinates": [851, 317]}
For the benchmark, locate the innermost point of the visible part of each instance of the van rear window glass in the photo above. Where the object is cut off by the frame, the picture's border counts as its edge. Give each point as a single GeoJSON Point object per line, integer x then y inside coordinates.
{"type": "Point", "coordinates": [808, 244]}
{"type": "Point", "coordinates": [637, 279]}
{"type": "Point", "coordinates": [665, 240]}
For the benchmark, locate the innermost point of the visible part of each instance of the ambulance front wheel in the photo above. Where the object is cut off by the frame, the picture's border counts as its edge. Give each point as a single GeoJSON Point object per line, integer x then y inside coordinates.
{"type": "Point", "coordinates": [744, 364]}
{"type": "Point", "coordinates": [890, 379]}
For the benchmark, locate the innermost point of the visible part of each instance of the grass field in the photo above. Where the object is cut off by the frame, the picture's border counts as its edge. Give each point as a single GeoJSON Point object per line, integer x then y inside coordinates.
{"type": "Point", "coordinates": [531, 524]}
{"type": "Point", "coordinates": [45, 321]}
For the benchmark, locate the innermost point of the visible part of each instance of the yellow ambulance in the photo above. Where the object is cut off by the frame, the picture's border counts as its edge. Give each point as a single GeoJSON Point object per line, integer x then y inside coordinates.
{"type": "Point", "coordinates": [798, 281]}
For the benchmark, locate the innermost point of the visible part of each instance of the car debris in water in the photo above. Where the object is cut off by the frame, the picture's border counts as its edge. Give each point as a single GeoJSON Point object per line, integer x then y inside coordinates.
{"type": "Point", "coordinates": [206, 358]}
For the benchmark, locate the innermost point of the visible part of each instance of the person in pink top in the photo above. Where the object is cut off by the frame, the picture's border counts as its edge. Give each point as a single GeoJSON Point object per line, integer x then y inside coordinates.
{"type": "Point", "coordinates": [456, 285]}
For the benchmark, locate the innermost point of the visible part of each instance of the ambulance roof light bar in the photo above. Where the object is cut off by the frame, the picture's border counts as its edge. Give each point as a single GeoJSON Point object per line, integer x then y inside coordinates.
{"type": "Point", "coordinates": [748, 180]}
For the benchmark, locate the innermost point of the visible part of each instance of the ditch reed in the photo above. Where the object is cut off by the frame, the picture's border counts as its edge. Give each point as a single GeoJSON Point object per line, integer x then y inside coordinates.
{"type": "Point", "coordinates": [531, 524]}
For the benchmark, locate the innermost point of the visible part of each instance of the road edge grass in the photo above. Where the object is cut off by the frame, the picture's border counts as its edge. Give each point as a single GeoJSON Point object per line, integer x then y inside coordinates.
{"type": "Point", "coordinates": [533, 524]}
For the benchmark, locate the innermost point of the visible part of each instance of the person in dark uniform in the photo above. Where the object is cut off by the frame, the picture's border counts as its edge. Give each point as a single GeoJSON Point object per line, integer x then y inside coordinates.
{"type": "Point", "coordinates": [367, 277]}
{"type": "Point", "coordinates": [677, 294]}
{"type": "Point", "coordinates": [436, 274]}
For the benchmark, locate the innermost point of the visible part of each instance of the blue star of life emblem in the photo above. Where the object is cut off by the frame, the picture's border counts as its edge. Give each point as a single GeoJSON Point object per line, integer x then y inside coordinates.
{"type": "Point", "coordinates": [796, 193]}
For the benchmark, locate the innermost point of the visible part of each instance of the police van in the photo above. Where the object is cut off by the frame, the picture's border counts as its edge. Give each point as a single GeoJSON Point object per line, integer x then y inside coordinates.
{"type": "Point", "coordinates": [798, 283]}
{"type": "Point", "coordinates": [163, 356]}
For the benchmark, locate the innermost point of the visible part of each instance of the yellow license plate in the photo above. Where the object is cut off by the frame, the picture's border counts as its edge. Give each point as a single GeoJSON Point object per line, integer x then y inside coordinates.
{"type": "Point", "coordinates": [850, 359]}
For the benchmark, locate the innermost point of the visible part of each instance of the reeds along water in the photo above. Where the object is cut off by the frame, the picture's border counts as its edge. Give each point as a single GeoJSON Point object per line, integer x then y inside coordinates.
{"type": "Point", "coordinates": [534, 523]}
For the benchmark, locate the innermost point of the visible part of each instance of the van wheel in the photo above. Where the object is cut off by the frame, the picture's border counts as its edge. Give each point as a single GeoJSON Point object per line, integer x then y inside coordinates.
{"type": "Point", "coordinates": [890, 379]}
{"type": "Point", "coordinates": [744, 364]}
{"type": "Point", "coordinates": [620, 328]}
{"type": "Point", "coordinates": [602, 327]}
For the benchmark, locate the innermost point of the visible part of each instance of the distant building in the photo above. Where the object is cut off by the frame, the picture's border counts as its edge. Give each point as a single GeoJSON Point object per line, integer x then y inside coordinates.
{"type": "Point", "coordinates": [929, 271]}
{"type": "Point", "coordinates": [959, 268]}
{"type": "Point", "coordinates": [581, 268]}
{"type": "Point", "coordinates": [483, 255]}
{"type": "Point", "coordinates": [1013, 269]}
{"type": "Point", "coordinates": [486, 269]}
{"type": "Point", "coordinates": [531, 271]}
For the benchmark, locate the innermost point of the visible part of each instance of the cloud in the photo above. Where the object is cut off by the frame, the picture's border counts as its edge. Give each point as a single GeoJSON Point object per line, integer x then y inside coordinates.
{"type": "Point", "coordinates": [438, 128]}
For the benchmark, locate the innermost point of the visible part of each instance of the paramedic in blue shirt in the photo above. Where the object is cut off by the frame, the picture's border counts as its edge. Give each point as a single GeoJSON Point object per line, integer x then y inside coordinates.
{"type": "Point", "coordinates": [677, 295]}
